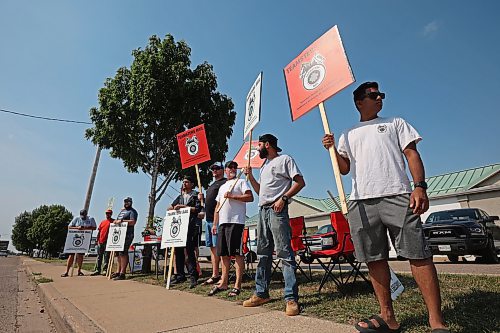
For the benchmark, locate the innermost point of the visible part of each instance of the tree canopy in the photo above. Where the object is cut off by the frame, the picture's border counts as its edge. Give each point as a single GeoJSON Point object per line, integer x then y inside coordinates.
{"type": "Point", "coordinates": [142, 108]}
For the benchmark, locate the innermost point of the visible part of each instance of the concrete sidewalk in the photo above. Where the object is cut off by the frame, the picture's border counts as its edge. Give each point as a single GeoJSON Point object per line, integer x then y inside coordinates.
{"type": "Point", "coordinates": [95, 304]}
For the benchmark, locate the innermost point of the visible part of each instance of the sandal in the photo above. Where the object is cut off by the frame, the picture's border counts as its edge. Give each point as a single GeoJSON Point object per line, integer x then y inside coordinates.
{"type": "Point", "coordinates": [64, 275]}
{"type": "Point", "coordinates": [215, 290]}
{"type": "Point", "coordinates": [81, 274]}
{"type": "Point", "coordinates": [234, 292]}
{"type": "Point", "coordinates": [383, 328]}
{"type": "Point", "coordinates": [211, 280]}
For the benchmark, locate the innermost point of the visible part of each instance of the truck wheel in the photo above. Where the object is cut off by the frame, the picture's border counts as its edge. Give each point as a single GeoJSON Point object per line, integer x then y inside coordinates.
{"type": "Point", "coordinates": [452, 258]}
{"type": "Point", "coordinates": [490, 254]}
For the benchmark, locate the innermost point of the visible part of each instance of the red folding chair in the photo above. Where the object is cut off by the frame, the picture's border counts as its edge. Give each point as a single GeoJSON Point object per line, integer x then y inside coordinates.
{"type": "Point", "coordinates": [339, 251]}
{"type": "Point", "coordinates": [298, 226]}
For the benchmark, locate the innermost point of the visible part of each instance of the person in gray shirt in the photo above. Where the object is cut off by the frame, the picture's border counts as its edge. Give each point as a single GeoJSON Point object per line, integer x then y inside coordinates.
{"type": "Point", "coordinates": [82, 222]}
{"type": "Point", "coordinates": [280, 179]}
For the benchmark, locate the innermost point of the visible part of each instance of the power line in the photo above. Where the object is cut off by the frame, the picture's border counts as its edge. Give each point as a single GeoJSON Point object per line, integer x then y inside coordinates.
{"type": "Point", "coordinates": [46, 118]}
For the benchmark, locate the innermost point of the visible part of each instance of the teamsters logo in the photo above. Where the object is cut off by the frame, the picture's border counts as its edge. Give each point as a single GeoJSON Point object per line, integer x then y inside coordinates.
{"type": "Point", "coordinates": [175, 227]}
{"type": "Point", "coordinates": [313, 73]}
{"type": "Point", "coordinates": [192, 145]}
{"type": "Point", "coordinates": [251, 105]}
{"type": "Point", "coordinates": [116, 236]}
{"type": "Point", "coordinates": [382, 128]}
{"type": "Point", "coordinates": [253, 153]}
{"type": "Point", "coordinates": [78, 240]}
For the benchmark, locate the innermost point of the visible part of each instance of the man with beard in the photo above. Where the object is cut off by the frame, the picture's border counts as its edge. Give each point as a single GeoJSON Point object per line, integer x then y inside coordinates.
{"type": "Point", "coordinates": [82, 222]}
{"type": "Point", "coordinates": [280, 179]}
{"type": "Point", "coordinates": [382, 201]}
{"type": "Point", "coordinates": [129, 215]}
{"type": "Point", "coordinates": [188, 198]}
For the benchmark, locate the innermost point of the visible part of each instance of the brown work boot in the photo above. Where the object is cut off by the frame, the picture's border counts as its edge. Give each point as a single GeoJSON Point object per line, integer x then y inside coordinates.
{"type": "Point", "coordinates": [255, 301]}
{"type": "Point", "coordinates": [292, 308]}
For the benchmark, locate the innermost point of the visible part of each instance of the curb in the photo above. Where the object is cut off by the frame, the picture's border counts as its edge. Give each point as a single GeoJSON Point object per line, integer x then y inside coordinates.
{"type": "Point", "coordinates": [65, 316]}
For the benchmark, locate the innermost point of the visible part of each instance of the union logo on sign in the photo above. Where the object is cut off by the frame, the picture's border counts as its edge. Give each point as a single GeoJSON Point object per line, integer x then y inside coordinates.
{"type": "Point", "coordinates": [175, 227]}
{"type": "Point", "coordinates": [192, 145]}
{"type": "Point", "coordinates": [313, 73]}
{"type": "Point", "coordinates": [78, 240]}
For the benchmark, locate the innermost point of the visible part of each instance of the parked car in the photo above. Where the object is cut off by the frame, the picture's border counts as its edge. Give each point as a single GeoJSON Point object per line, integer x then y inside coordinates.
{"type": "Point", "coordinates": [316, 242]}
{"type": "Point", "coordinates": [63, 255]}
{"type": "Point", "coordinates": [92, 252]}
{"type": "Point", "coordinates": [458, 232]}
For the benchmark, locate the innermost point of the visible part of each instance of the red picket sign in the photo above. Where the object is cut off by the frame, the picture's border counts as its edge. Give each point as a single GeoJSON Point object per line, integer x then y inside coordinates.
{"type": "Point", "coordinates": [193, 146]}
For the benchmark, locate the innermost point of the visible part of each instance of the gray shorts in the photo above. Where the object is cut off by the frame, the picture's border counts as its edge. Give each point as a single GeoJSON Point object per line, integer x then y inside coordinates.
{"type": "Point", "coordinates": [371, 219]}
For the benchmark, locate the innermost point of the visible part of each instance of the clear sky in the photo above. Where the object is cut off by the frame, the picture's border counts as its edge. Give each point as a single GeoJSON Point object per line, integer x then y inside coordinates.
{"type": "Point", "coordinates": [434, 59]}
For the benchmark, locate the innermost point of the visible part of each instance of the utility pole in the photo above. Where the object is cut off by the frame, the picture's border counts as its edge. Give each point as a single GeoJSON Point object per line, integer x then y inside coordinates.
{"type": "Point", "coordinates": [92, 179]}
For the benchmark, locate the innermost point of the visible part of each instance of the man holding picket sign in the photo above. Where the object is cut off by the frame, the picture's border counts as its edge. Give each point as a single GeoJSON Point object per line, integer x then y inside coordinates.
{"type": "Point", "coordinates": [382, 200]}
{"type": "Point", "coordinates": [280, 179]}
{"type": "Point", "coordinates": [127, 215]}
{"type": "Point", "coordinates": [82, 222]}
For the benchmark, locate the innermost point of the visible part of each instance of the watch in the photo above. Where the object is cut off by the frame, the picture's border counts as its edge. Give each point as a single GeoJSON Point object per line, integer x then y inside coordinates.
{"type": "Point", "coordinates": [285, 198]}
{"type": "Point", "coordinates": [422, 184]}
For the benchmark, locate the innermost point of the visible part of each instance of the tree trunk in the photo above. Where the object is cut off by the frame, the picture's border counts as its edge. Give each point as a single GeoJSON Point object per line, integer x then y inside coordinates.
{"type": "Point", "coordinates": [148, 249]}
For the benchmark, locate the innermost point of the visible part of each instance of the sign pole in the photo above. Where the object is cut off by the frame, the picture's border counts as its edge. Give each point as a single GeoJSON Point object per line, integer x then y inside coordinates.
{"type": "Point", "coordinates": [165, 265]}
{"type": "Point", "coordinates": [249, 150]}
{"type": "Point", "coordinates": [112, 264]}
{"type": "Point", "coordinates": [333, 158]}
{"type": "Point", "coordinates": [170, 266]}
{"type": "Point", "coordinates": [74, 264]}
{"type": "Point", "coordinates": [108, 272]}
{"type": "Point", "coordinates": [199, 180]}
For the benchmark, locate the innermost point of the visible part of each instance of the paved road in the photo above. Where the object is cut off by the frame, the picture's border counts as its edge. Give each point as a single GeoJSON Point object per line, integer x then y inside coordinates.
{"type": "Point", "coordinates": [20, 308]}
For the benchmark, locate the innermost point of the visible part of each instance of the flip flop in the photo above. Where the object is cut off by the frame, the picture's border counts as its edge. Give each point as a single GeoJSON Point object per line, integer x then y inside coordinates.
{"type": "Point", "coordinates": [81, 274]}
{"type": "Point", "coordinates": [215, 290]}
{"type": "Point", "coordinates": [211, 280]}
{"type": "Point", "coordinates": [64, 275]}
{"type": "Point", "coordinates": [234, 292]}
{"type": "Point", "coordinates": [383, 328]}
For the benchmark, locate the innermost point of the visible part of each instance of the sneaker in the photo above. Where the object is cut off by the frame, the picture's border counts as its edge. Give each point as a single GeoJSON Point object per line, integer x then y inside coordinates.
{"type": "Point", "coordinates": [95, 273]}
{"type": "Point", "coordinates": [119, 277]}
{"type": "Point", "coordinates": [113, 275]}
{"type": "Point", "coordinates": [255, 301]}
{"type": "Point", "coordinates": [292, 308]}
{"type": "Point", "coordinates": [178, 280]}
{"type": "Point", "coordinates": [194, 283]}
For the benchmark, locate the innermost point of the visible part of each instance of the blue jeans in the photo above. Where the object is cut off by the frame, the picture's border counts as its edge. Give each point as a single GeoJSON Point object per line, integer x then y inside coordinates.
{"type": "Point", "coordinates": [210, 239]}
{"type": "Point", "coordinates": [273, 230]}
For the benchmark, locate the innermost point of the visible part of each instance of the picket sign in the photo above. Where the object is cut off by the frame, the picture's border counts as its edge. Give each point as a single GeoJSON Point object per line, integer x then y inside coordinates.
{"type": "Point", "coordinates": [319, 72]}
{"type": "Point", "coordinates": [396, 286]}
{"type": "Point", "coordinates": [77, 241]}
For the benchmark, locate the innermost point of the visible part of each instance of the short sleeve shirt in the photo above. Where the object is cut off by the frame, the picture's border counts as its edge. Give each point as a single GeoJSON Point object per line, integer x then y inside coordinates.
{"type": "Point", "coordinates": [89, 222]}
{"type": "Point", "coordinates": [210, 199]}
{"type": "Point", "coordinates": [375, 151]}
{"type": "Point", "coordinates": [128, 214]}
{"type": "Point", "coordinates": [233, 211]}
{"type": "Point", "coordinates": [276, 177]}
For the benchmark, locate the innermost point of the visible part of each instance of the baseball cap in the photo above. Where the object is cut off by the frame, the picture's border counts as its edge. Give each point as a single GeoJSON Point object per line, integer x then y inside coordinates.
{"type": "Point", "coordinates": [216, 166]}
{"type": "Point", "coordinates": [109, 211]}
{"type": "Point", "coordinates": [83, 212]}
{"type": "Point", "coordinates": [273, 141]}
{"type": "Point", "coordinates": [129, 199]}
{"type": "Point", "coordinates": [231, 163]}
{"type": "Point", "coordinates": [189, 178]}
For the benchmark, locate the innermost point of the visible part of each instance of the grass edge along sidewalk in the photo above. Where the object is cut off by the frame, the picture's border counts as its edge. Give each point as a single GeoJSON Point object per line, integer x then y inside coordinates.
{"type": "Point", "coordinates": [470, 302]}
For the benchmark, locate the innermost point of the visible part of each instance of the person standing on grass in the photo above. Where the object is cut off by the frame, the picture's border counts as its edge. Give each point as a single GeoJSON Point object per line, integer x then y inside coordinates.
{"type": "Point", "coordinates": [187, 198]}
{"type": "Point", "coordinates": [210, 203]}
{"type": "Point", "coordinates": [102, 238]}
{"type": "Point", "coordinates": [229, 222]}
{"type": "Point", "coordinates": [127, 214]}
{"type": "Point", "coordinates": [280, 179]}
{"type": "Point", "coordinates": [382, 201]}
{"type": "Point", "coordinates": [82, 222]}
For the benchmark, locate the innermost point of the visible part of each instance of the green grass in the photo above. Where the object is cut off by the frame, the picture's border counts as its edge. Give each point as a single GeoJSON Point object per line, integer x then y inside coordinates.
{"type": "Point", "coordinates": [43, 279]}
{"type": "Point", "coordinates": [36, 273]}
{"type": "Point", "coordinates": [470, 302]}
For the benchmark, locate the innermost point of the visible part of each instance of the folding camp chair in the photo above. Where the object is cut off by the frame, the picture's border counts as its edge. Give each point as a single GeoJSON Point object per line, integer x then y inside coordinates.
{"type": "Point", "coordinates": [339, 251]}
{"type": "Point", "coordinates": [298, 226]}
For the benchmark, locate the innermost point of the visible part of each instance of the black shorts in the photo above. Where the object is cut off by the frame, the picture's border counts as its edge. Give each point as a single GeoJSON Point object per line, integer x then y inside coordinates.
{"type": "Point", "coordinates": [229, 239]}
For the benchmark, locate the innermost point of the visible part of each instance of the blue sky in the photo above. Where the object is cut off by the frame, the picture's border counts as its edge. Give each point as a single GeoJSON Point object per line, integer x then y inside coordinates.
{"type": "Point", "coordinates": [434, 59]}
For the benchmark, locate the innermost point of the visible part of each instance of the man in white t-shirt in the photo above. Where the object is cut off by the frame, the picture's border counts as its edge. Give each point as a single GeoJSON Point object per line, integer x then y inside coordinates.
{"type": "Point", "coordinates": [382, 201]}
{"type": "Point", "coordinates": [229, 222]}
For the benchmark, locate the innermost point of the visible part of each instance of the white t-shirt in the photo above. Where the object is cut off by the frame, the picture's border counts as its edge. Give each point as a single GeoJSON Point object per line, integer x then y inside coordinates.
{"type": "Point", "coordinates": [233, 211]}
{"type": "Point", "coordinates": [276, 177]}
{"type": "Point", "coordinates": [375, 150]}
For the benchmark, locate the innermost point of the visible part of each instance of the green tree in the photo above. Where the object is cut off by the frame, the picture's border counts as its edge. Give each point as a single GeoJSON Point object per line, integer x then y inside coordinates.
{"type": "Point", "coordinates": [49, 228]}
{"type": "Point", "coordinates": [141, 110]}
{"type": "Point", "coordinates": [20, 229]}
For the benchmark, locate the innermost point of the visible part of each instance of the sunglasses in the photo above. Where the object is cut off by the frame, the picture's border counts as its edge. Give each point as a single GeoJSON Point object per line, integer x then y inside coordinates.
{"type": "Point", "coordinates": [374, 94]}
{"type": "Point", "coordinates": [232, 167]}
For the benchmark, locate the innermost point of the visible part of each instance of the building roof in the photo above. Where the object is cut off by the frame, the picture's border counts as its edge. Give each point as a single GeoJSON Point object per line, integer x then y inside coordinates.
{"type": "Point", "coordinates": [446, 184]}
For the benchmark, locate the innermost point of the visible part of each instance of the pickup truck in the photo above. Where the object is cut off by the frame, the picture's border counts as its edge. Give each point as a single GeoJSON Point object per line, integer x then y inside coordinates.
{"type": "Point", "coordinates": [458, 232]}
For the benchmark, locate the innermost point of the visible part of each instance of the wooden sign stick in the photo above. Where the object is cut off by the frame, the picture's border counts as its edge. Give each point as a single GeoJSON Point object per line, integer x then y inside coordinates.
{"type": "Point", "coordinates": [335, 162]}
{"type": "Point", "coordinates": [165, 264]}
{"type": "Point", "coordinates": [230, 190]}
{"type": "Point", "coordinates": [74, 263]}
{"type": "Point", "coordinates": [249, 151]}
{"type": "Point", "coordinates": [112, 264]}
{"type": "Point", "coordinates": [170, 266]}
